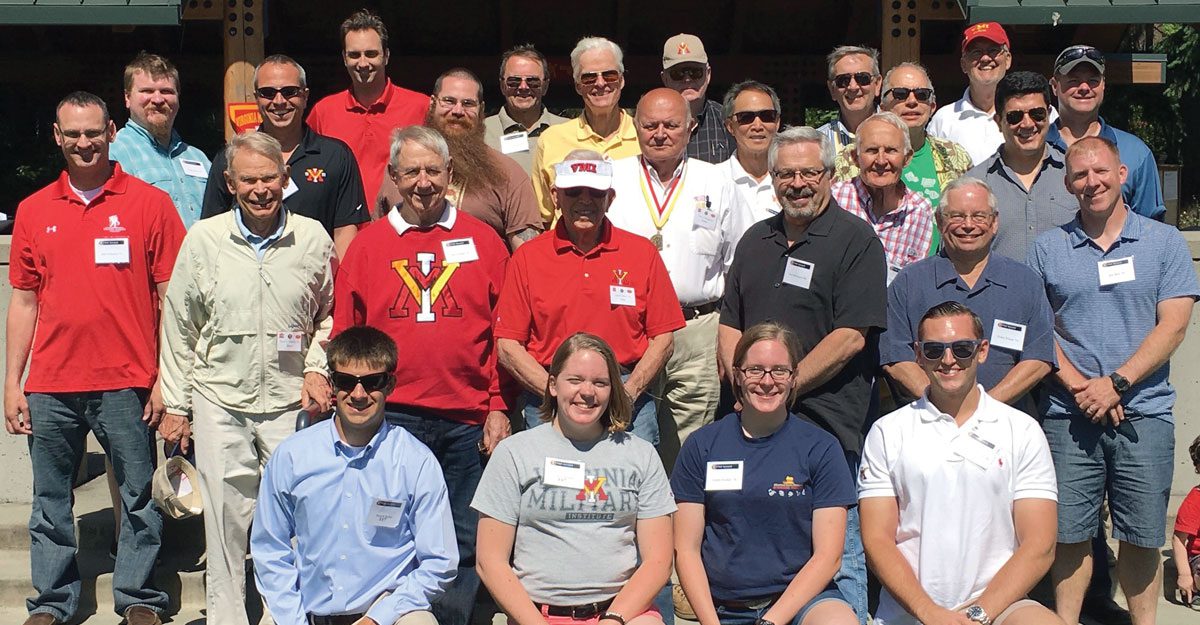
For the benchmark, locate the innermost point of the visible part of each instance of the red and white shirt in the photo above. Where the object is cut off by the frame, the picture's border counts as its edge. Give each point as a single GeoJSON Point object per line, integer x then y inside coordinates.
{"type": "Point", "coordinates": [906, 232]}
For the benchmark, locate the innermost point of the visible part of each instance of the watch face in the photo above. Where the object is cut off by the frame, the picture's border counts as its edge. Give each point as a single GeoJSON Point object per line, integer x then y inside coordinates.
{"type": "Point", "coordinates": [975, 613]}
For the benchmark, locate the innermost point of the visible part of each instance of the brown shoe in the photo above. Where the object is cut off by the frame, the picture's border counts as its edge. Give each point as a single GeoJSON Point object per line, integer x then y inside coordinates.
{"type": "Point", "coordinates": [141, 615]}
{"type": "Point", "coordinates": [41, 618]}
{"type": "Point", "coordinates": [683, 609]}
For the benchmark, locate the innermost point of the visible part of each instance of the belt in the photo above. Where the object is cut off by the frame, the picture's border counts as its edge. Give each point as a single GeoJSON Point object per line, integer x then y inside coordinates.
{"type": "Point", "coordinates": [576, 612]}
{"type": "Point", "coordinates": [337, 619]}
{"type": "Point", "coordinates": [748, 604]}
{"type": "Point", "coordinates": [691, 312]}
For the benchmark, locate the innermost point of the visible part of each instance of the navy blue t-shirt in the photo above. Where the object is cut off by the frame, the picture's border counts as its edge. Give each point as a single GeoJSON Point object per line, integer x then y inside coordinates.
{"type": "Point", "coordinates": [756, 539]}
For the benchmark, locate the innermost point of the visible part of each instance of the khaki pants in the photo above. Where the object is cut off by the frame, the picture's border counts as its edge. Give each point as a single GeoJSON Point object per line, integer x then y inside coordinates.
{"type": "Point", "coordinates": [231, 449]}
{"type": "Point", "coordinates": [691, 390]}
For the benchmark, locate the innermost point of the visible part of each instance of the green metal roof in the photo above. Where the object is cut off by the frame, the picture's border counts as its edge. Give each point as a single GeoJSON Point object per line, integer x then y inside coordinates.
{"type": "Point", "coordinates": [90, 12]}
{"type": "Point", "coordinates": [1054, 12]}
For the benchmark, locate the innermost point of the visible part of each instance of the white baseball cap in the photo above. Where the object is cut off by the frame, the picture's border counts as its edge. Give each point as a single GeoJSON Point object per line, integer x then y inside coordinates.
{"type": "Point", "coordinates": [591, 174]}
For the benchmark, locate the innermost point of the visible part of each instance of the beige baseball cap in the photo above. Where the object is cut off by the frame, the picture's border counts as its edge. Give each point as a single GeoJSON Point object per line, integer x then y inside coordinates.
{"type": "Point", "coordinates": [176, 488]}
{"type": "Point", "coordinates": [683, 48]}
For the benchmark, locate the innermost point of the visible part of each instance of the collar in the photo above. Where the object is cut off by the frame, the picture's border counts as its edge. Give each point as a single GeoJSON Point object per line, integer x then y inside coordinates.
{"type": "Point", "coordinates": [562, 242]}
{"type": "Point", "coordinates": [446, 221]}
{"type": "Point", "coordinates": [710, 107]}
{"type": "Point", "coordinates": [821, 225]}
{"type": "Point", "coordinates": [1052, 156]}
{"type": "Point", "coordinates": [352, 104]}
{"type": "Point", "coordinates": [944, 272]}
{"type": "Point", "coordinates": [308, 143]}
{"type": "Point", "coordinates": [1055, 137]}
{"type": "Point", "coordinates": [929, 413]}
{"type": "Point", "coordinates": [864, 200]}
{"type": "Point", "coordinates": [965, 105]}
{"type": "Point", "coordinates": [253, 238]}
{"type": "Point", "coordinates": [741, 176]}
{"type": "Point", "coordinates": [341, 448]}
{"type": "Point", "coordinates": [646, 167]}
{"type": "Point", "coordinates": [625, 130]}
{"type": "Point", "coordinates": [175, 142]}
{"type": "Point", "coordinates": [508, 124]}
{"type": "Point", "coordinates": [1131, 230]}
{"type": "Point", "coordinates": [116, 184]}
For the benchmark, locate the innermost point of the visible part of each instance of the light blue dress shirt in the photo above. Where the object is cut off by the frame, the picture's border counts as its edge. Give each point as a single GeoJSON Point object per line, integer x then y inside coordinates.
{"type": "Point", "coordinates": [326, 494]}
{"type": "Point", "coordinates": [260, 244]}
{"type": "Point", "coordinates": [1141, 189]}
{"type": "Point", "coordinates": [179, 169]}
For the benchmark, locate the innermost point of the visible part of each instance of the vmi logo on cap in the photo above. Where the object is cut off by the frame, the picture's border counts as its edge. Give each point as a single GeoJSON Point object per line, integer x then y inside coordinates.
{"type": "Point", "coordinates": [587, 167]}
{"type": "Point", "coordinates": [683, 49]}
{"type": "Point", "coordinates": [979, 27]}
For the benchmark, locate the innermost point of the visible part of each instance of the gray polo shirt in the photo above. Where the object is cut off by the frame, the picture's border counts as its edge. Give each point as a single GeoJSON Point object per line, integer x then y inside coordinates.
{"type": "Point", "coordinates": [501, 124]}
{"type": "Point", "coordinates": [1100, 327]}
{"type": "Point", "coordinates": [1024, 214]}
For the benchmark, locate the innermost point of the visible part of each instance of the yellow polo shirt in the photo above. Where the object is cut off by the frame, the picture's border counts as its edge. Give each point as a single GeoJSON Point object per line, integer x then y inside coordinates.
{"type": "Point", "coordinates": [560, 139]}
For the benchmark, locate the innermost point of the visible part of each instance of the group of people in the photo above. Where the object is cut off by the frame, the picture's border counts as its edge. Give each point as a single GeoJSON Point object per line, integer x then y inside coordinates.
{"type": "Point", "coordinates": [693, 314]}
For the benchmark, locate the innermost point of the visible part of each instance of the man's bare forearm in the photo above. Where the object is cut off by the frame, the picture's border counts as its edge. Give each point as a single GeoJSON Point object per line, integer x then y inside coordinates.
{"type": "Point", "coordinates": [910, 376]}
{"type": "Point", "coordinates": [524, 368]}
{"type": "Point", "coordinates": [652, 361]}
{"type": "Point", "coordinates": [1019, 380]}
{"type": "Point", "coordinates": [829, 356]}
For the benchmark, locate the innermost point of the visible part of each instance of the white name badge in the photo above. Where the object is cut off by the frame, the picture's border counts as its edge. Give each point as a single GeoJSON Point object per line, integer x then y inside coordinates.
{"type": "Point", "coordinates": [565, 473]}
{"type": "Point", "coordinates": [289, 188]}
{"type": "Point", "coordinates": [798, 272]}
{"type": "Point", "coordinates": [289, 341]}
{"type": "Point", "coordinates": [386, 513]}
{"type": "Point", "coordinates": [1008, 335]}
{"type": "Point", "coordinates": [514, 142]}
{"type": "Point", "coordinates": [975, 449]}
{"type": "Point", "coordinates": [193, 168]}
{"type": "Point", "coordinates": [621, 295]}
{"type": "Point", "coordinates": [706, 215]}
{"type": "Point", "coordinates": [460, 250]}
{"type": "Point", "coordinates": [114, 251]}
{"type": "Point", "coordinates": [724, 475]}
{"type": "Point", "coordinates": [1116, 271]}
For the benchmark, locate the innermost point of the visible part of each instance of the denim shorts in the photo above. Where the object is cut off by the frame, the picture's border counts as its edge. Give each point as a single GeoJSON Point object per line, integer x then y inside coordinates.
{"type": "Point", "coordinates": [1132, 463]}
{"type": "Point", "coordinates": [748, 616]}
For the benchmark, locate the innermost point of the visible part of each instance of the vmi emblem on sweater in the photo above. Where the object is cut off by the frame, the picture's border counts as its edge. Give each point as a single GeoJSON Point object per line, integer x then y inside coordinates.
{"type": "Point", "coordinates": [425, 284]}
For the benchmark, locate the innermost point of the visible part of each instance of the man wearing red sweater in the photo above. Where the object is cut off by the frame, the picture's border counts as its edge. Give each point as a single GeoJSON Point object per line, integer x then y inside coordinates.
{"type": "Point", "coordinates": [429, 276]}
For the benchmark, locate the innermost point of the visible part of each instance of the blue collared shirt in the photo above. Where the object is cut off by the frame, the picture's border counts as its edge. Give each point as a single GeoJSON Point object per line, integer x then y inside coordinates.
{"type": "Point", "coordinates": [1005, 291]}
{"type": "Point", "coordinates": [1141, 189]}
{"type": "Point", "coordinates": [1100, 327]}
{"type": "Point", "coordinates": [321, 491]}
{"type": "Point", "coordinates": [260, 244]}
{"type": "Point", "coordinates": [179, 169]}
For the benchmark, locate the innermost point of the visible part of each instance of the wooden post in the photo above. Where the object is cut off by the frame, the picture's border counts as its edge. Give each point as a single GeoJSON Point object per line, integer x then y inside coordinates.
{"type": "Point", "coordinates": [244, 23]}
{"type": "Point", "coordinates": [901, 36]}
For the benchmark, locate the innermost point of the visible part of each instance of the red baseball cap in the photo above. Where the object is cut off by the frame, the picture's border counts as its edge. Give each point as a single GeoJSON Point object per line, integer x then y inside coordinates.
{"type": "Point", "coordinates": [992, 31]}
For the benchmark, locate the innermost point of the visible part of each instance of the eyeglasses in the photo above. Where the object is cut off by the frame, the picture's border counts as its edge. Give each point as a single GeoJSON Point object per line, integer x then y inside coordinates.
{"type": "Point", "coordinates": [757, 373]}
{"type": "Point", "coordinates": [73, 136]}
{"type": "Point", "coordinates": [993, 52]}
{"type": "Point", "coordinates": [414, 172]}
{"type": "Point", "coordinates": [1038, 115]}
{"type": "Point", "coordinates": [269, 93]}
{"type": "Point", "coordinates": [841, 81]}
{"type": "Point", "coordinates": [578, 191]}
{"type": "Point", "coordinates": [924, 94]}
{"type": "Point", "coordinates": [962, 350]}
{"type": "Point", "coordinates": [467, 104]}
{"type": "Point", "coordinates": [346, 383]}
{"type": "Point", "coordinates": [609, 75]}
{"type": "Point", "coordinates": [514, 82]}
{"type": "Point", "coordinates": [975, 218]}
{"type": "Point", "coordinates": [682, 74]}
{"type": "Point", "coordinates": [807, 175]}
{"type": "Point", "coordinates": [745, 118]}
{"type": "Point", "coordinates": [1074, 53]}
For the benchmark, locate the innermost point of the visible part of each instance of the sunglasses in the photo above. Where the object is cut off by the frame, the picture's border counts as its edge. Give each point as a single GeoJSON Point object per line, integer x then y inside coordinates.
{"type": "Point", "coordinates": [1038, 115]}
{"type": "Point", "coordinates": [269, 93]}
{"type": "Point", "coordinates": [578, 191]}
{"type": "Point", "coordinates": [745, 118]}
{"type": "Point", "coordinates": [609, 75]}
{"type": "Point", "coordinates": [682, 74]}
{"type": "Point", "coordinates": [962, 350]}
{"type": "Point", "coordinates": [841, 81]}
{"type": "Point", "coordinates": [514, 82]}
{"type": "Point", "coordinates": [1074, 53]}
{"type": "Point", "coordinates": [372, 382]}
{"type": "Point", "coordinates": [900, 94]}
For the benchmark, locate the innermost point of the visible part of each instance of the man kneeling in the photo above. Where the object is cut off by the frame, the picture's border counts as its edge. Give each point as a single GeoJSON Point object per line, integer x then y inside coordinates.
{"type": "Point", "coordinates": [365, 502]}
{"type": "Point", "coordinates": [957, 493]}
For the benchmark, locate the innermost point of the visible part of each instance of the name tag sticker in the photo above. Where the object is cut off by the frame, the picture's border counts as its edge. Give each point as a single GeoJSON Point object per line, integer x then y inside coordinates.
{"type": "Point", "coordinates": [289, 341]}
{"type": "Point", "coordinates": [1008, 335]}
{"type": "Point", "coordinates": [724, 475]}
{"type": "Point", "coordinates": [113, 251]}
{"type": "Point", "coordinates": [975, 449]}
{"type": "Point", "coordinates": [706, 215]}
{"type": "Point", "coordinates": [514, 142]}
{"type": "Point", "coordinates": [193, 168]}
{"type": "Point", "coordinates": [460, 250]}
{"type": "Point", "coordinates": [798, 272]}
{"type": "Point", "coordinates": [565, 473]}
{"type": "Point", "coordinates": [289, 188]}
{"type": "Point", "coordinates": [386, 513]}
{"type": "Point", "coordinates": [1116, 271]}
{"type": "Point", "coordinates": [621, 295]}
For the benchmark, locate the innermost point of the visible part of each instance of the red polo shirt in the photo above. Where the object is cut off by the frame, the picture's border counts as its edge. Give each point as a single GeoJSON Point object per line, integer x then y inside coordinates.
{"type": "Point", "coordinates": [368, 130]}
{"type": "Point", "coordinates": [97, 324]}
{"type": "Point", "coordinates": [554, 290]}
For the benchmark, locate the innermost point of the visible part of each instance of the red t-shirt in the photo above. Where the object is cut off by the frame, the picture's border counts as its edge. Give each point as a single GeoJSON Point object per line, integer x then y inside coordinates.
{"type": "Point", "coordinates": [368, 130]}
{"type": "Point", "coordinates": [438, 312]}
{"type": "Point", "coordinates": [1188, 521]}
{"type": "Point", "coordinates": [553, 291]}
{"type": "Point", "coordinates": [94, 269]}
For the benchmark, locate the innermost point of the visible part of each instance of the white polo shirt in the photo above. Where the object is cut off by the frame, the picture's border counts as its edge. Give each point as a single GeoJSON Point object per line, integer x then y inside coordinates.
{"type": "Point", "coordinates": [966, 125]}
{"type": "Point", "coordinates": [756, 200]}
{"type": "Point", "coordinates": [697, 248]}
{"type": "Point", "coordinates": [957, 485]}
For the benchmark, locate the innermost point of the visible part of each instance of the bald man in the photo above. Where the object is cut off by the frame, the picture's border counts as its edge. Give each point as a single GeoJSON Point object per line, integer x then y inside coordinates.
{"type": "Point", "coordinates": [683, 205]}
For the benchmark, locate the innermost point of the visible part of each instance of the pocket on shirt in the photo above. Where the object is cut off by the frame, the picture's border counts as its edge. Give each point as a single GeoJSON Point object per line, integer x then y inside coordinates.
{"type": "Point", "coordinates": [234, 332]}
{"type": "Point", "coordinates": [704, 241]}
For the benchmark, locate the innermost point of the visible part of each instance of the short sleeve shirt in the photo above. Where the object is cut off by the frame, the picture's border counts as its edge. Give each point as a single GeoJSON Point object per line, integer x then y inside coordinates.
{"type": "Point", "coordinates": [575, 543]}
{"type": "Point", "coordinates": [963, 123]}
{"type": "Point", "coordinates": [1025, 214]}
{"type": "Point", "coordinates": [560, 139]}
{"type": "Point", "coordinates": [179, 169]}
{"type": "Point", "coordinates": [906, 231]}
{"type": "Point", "coordinates": [757, 537]}
{"type": "Point", "coordinates": [710, 141]}
{"type": "Point", "coordinates": [501, 124]}
{"type": "Point", "coordinates": [844, 263]}
{"type": "Point", "coordinates": [1141, 189]}
{"type": "Point", "coordinates": [1188, 521]}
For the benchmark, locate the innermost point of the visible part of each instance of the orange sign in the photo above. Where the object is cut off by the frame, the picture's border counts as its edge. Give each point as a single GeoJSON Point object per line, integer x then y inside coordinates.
{"type": "Point", "coordinates": [244, 116]}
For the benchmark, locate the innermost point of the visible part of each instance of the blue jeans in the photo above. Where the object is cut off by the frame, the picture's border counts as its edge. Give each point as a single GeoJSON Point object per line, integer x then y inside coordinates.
{"type": "Point", "coordinates": [748, 616]}
{"type": "Point", "coordinates": [645, 414]}
{"type": "Point", "coordinates": [456, 447]}
{"type": "Point", "coordinates": [851, 579]}
{"type": "Point", "coordinates": [60, 423]}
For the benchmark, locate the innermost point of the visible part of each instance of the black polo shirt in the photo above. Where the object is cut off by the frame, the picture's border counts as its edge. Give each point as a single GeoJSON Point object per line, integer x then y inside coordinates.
{"type": "Point", "coordinates": [328, 185]}
{"type": "Point", "coordinates": [847, 277]}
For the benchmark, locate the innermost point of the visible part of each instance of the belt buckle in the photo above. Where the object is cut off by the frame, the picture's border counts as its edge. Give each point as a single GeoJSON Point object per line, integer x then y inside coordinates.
{"type": "Point", "coordinates": [583, 612]}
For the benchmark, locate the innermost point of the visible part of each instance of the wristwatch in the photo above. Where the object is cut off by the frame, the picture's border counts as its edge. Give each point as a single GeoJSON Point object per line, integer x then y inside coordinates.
{"type": "Point", "coordinates": [1120, 383]}
{"type": "Point", "coordinates": [762, 621]}
{"type": "Point", "coordinates": [977, 614]}
{"type": "Point", "coordinates": [615, 616]}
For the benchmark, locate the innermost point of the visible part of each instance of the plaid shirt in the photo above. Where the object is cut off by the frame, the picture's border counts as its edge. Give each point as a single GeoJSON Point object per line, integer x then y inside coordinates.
{"type": "Point", "coordinates": [710, 141]}
{"type": "Point", "coordinates": [906, 233]}
{"type": "Point", "coordinates": [142, 157]}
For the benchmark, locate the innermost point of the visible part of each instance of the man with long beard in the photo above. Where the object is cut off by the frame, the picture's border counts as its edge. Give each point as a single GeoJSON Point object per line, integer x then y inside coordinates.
{"type": "Point", "coordinates": [486, 184]}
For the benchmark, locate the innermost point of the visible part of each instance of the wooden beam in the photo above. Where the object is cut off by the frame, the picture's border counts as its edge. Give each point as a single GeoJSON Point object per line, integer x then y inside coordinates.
{"type": "Point", "coordinates": [901, 36]}
{"type": "Point", "coordinates": [243, 37]}
{"type": "Point", "coordinates": [939, 10]}
{"type": "Point", "coordinates": [203, 10]}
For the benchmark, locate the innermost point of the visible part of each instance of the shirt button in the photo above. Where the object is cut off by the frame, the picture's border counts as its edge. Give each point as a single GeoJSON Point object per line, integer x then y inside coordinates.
{"type": "Point", "coordinates": [345, 526]}
{"type": "Point", "coordinates": [777, 285]}
{"type": "Point", "coordinates": [586, 275]}
{"type": "Point", "coordinates": [342, 557]}
{"type": "Point", "coordinates": [347, 495]}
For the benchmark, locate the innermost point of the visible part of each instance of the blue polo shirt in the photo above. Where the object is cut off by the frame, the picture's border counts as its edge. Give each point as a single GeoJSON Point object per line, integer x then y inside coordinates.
{"type": "Point", "coordinates": [1100, 327]}
{"type": "Point", "coordinates": [1141, 189]}
{"type": "Point", "coordinates": [179, 169]}
{"type": "Point", "coordinates": [1006, 291]}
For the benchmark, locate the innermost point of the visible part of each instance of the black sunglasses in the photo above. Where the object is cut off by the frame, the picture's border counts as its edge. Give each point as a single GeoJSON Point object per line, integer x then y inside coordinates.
{"type": "Point", "coordinates": [745, 118]}
{"type": "Point", "coordinates": [609, 76]}
{"type": "Point", "coordinates": [962, 350]}
{"type": "Point", "coordinates": [1038, 115]}
{"type": "Point", "coordinates": [901, 93]}
{"type": "Point", "coordinates": [1074, 53]}
{"type": "Point", "coordinates": [578, 191]}
{"type": "Point", "coordinates": [346, 383]}
{"type": "Point", "coordinates": [269, 93]}
{"type": "Point", "coordinates": [841, 81]}
{"type": "Point", "coordinates": [514, 82]}
{"type": "Point", "coordinates": [686, 73]}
